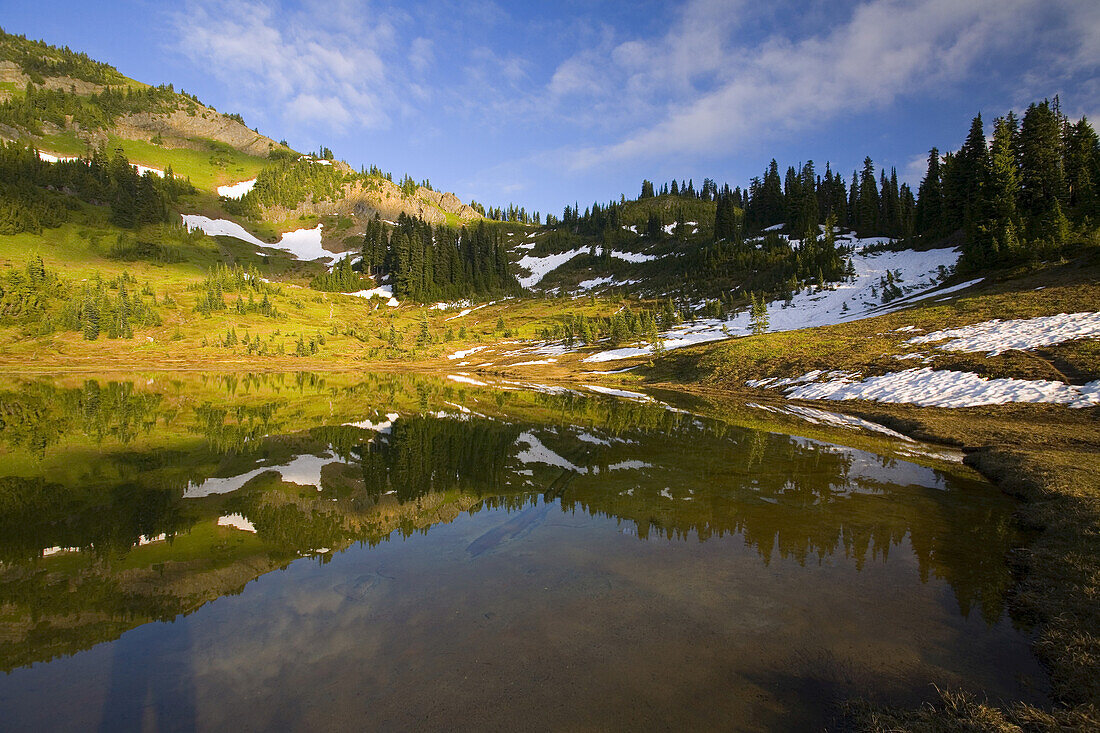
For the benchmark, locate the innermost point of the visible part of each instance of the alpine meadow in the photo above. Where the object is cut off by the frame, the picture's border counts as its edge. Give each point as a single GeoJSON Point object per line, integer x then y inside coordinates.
{"type": "Point", "coordinates": [795, 426]}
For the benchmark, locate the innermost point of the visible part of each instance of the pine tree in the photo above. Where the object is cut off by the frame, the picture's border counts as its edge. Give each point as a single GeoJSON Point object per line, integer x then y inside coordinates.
{"type": "Point", "coordinates": [868, 206]}
{"type": "Point", "coordinates": [808, 210]}
{"type": "Point", "coordinates": [929, 214]}
{"type": "Point", "coordinates": [972, 171]}
{"type": "Point", "coordinates": [1082, 166]}
{"type": "Point", "coordinates": [90, 316]}
{"type": "Point", "coordinates": [1003, 182]}
{"type": "Point", "coordinates": [653, 225]}
{"type": "Point", "coordinates": [758, 314]}
{"type": "Point", "coordinates": [771, 209]}
{"type": "Point", "coordinates": [853, 202]}
{"type": "Point", "coordinates": [1042, 181]}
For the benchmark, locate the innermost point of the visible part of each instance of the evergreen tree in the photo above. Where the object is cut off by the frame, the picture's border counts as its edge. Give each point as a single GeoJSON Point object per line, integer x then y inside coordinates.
{"type": "Point", "coordinates": [771, 208]}
{"type": "Point", "coordinates": [1082, 166]}
{"type": "Point", "coordinates": [808, 210]}
{"type": "Point", "coordinates": [1042, 180]}
{"type": "Point", "coordinates": [1003, 178]}
{"type": "Point", "coordinates": [929, 215]}
{"type": "Point", "coordinates": [868, 204]}
{"type": "Point", "coordinates": [853, 202]}
{"type": "Point", "coordinates": [758, 314]}
{"type": "Point", "coordinates": [971, 174]}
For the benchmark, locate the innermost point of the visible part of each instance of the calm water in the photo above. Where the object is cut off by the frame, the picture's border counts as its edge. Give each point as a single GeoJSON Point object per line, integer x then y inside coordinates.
{"type": "Point", "coordinates": [400, 553]}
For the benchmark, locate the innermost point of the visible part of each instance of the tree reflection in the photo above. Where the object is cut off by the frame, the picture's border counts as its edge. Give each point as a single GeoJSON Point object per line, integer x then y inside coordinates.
{"type": "Point", "coordinates": [105, 467]}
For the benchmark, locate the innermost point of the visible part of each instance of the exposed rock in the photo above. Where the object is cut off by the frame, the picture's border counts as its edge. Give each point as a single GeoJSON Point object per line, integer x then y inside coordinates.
{"type": "Point", "coordinates": [180, 128]}
{"type": "Point", "coordinates": [361, 200]}
{"type": "Point", "coordinates": [448, 202]}
{"type": "Point", "coordinates": [12, 74]}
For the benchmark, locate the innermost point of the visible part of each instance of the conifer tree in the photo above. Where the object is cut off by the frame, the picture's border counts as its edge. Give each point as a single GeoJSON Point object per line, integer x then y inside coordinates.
{"type": "Point", "coordinates": [1003, 181]}
{"type": "Point", "coordinates": [972, 170]}
{"type": "Point", "coordinates": [772, 210]}
{"type": "Point", "coordinates": [868, 206]}
{"type": "Point", "coordinates": [1042, 182]}
{"type": "Point", "coordinates": [758, 314]}
{"type": "Point", "coordinates": [929, 215]}
{"type": "Point", "coordinates": [1082, 165]}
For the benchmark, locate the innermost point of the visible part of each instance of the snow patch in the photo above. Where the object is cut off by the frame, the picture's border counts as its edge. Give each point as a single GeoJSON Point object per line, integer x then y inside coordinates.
{"type": "Point", "coordinates": [839, 303]}
{"type": "Point", "coordinates": [632, 256]}
{"type": "Point", "coordinates": [304, 470]}
{"type": "Point", "coordinates": [619, 392]}
{"type": "Point", "coordinates": [997, 336]}
{"type": "Point", "coordinates": [382, 291]}
{"type": "Point", "coordinates": [946, 388]}
{"type": "Point", "coordinates": [629, 466]}
{"type": "Point", "coordinates": [540, 266]}
{"type": "Point", "coordinates": [236, 190]}
{"type": "Point", "coordinates": [463, 379]}
{"type": "Point", "coordinates": [815, 416]}
{"type": "Point", "coordinates": [536, 452]}
{"type": "Point", "coordinates": [304, 244]}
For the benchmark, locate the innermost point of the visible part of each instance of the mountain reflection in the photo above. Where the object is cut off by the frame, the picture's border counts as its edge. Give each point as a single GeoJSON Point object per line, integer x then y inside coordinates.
{"type": "Point", "coordinates": [123, 502]}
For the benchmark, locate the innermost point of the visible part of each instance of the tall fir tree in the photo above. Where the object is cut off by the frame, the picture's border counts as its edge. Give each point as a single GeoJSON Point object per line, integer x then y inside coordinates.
{"type": "Point", "coordinates": [929, 215]}
{"type": "Point", "coordinates": [868, 206]}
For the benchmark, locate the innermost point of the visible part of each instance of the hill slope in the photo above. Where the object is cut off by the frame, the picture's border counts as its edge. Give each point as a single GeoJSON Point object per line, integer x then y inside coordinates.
{"type": "Point", "coordinates": [66, 104]}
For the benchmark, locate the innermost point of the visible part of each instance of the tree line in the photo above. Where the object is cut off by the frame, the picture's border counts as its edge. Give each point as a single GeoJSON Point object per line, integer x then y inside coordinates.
{"type": "Point", "coordinates": [1019, 196]}
{"type": "Point", "coordinates": [39, 60]}
{"type": "Point", "coordinates": [287, 182]}
{"type": "Point", "coordinates": [95, 111]}
{"type": "Point", "coordinates": [427, 263]}
{"type": "Point", "coordinates": [35, 194]}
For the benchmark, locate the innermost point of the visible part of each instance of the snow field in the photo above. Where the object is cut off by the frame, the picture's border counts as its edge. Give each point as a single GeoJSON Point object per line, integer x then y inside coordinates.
{"type": "Point", "coordinates": [382, 291]}
{"type": "Point", "coordinates": [237, 521]}
{"type": "Point", "coordinates": [815, 416]}
{"type": "Point", "coordinates": [52, 158]}
{"type": "Point", "coordinates": [997, 336]}
{"type": "Point", "coordinates": [945, 388]}
{"type": "Point", "coordinates": [539, 267]}
{"type": "Point", "coordinates": [236, 190]}
{"type": "Point", "coordinates": [844, 302]}
{"type": "Point", "coordinates": [303, 244]}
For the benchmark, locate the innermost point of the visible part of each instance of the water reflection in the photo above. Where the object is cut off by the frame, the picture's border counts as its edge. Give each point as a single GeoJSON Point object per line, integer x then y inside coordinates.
{"type": "Point", "coordinates": [124, 502]}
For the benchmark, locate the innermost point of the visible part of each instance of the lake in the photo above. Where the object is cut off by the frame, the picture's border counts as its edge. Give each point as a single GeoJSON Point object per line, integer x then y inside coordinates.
{"type": "Point", "coordinates": [401, 552]}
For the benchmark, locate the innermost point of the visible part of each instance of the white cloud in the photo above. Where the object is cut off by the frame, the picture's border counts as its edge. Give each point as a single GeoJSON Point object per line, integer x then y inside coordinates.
{"type": "Point", "coordinates": [719, 94]}
{"type": "Point", "coordinates": [914, 171]}
{"type": "Point", "coordinates": [322, 64]}
{"type": "Point", "coordinates": [312, 108]}
{"type": "Point", "coordinates": [421, 54]}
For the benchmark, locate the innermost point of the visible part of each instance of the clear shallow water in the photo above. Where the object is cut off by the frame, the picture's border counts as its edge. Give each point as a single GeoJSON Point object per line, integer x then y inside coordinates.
{"type": "Point", "coordinates": [417, 553]}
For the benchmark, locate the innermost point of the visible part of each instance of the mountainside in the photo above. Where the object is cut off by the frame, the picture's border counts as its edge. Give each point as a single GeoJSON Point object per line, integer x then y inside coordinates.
{"type": "Point", "coordinates": [216, 210]}
{"type": "Point", "coordinates": [66, 104]}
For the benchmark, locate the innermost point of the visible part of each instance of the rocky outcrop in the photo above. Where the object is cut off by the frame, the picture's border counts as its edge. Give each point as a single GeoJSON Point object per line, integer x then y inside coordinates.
{"type": "Point", "coordinates": [361, 200]}
{"type": "Point", "coordinates": [10, 73]}
{"type": "Point", "coordinates": [449, 203]}
{"type": "Point", "coordinates": [190, 128]}
{"type": "Point", "coordinates": [191, 125]}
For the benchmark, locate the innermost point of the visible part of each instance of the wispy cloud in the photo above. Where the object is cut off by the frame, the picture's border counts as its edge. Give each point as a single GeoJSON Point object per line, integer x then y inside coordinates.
{"type": "Point", "coordinates": [322, 63]}
{"type": "Point", "coordinates": [515, 96]}
{"type": "Point", "coordinates": [722, 93]}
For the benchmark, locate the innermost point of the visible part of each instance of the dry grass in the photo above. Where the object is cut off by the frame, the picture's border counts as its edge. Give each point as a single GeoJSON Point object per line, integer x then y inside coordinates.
{"type": "Point", "coordinates": [961, 712]}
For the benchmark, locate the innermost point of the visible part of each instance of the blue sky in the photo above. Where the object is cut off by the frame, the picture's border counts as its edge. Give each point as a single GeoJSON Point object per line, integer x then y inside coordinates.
{"type": "Point", "coordinates": [544, 104]}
